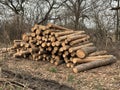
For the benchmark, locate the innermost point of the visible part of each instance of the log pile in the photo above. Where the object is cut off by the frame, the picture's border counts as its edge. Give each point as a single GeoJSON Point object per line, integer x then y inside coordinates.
{"type": "Point", "coordinates": [59, 45]}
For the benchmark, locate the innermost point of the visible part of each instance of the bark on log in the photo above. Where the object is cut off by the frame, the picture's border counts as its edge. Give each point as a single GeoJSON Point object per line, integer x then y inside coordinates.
{"type": "Point", "coordinates": [83, 52]}
{"type": "Point", "coordinates": [98, 53]}
{"type": "Point", "coordinates": [63, 33]}
{"type": "Point", "coordinates": [71, 35]}
{"type": "Point", "coordinates": [89, 59]}
{"type": "Point", "coordinates": [72, 49]}
{"type": "Point", "coordinates": [50, 25]}
{"type": "Point", "coordinates": [79, 40]}
{"type": "Point", "coordinates": [75, 37]}
{"type": "Point", "coordinates": [94, 64]}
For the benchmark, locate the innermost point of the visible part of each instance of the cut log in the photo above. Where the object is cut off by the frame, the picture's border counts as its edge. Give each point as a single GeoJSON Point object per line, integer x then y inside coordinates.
{"type": "Point", "coordinates": [94, 64]}
{"type": "Point", "coordinates": [63, 33]}
{"type": "Point", "coordinates": [41, 27]}
{"type": "Point", "coordinates": [72, 49]}
{"type": "Point", "coordinates": [98, 53]}
{"type": "Point", "coordinates": [25, 37]}
{"type": "Point", "coordinates": [75, 37]}
{"type": "Point", "coordinates": [83, 52]}
{"type": "Point", "coordinates": [79, 40]}
{"type": "Point", "coordinates": [89, 59]}
{"type": "Point", "coordinates": [58, 62]}
{"type": "Point", "coordinates": [50, 25]}
{"type": "Point", "coordinates": [35, 28]}
{"type": "Point", "coordinates": [78, 34]}
{"type": "Point", "coordinates": [33, 50]}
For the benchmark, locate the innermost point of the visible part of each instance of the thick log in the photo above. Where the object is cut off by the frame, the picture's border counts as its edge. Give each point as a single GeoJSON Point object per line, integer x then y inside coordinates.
{"type": "Point", "coordinates": [79, 40]}
{"type": "Point", "coordinates": [89, 59]}
{"type": "Point", "coordinates": [72, 49]}
{"type": "Point", "coordinates": [85, 51]}
{"type": "Point", "coordinates": [98, 53]}
{"type": "Point", "coordinates": [94, 64]}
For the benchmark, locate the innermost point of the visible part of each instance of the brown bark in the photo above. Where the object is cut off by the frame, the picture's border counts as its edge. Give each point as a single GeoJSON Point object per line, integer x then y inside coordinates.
{"type": "Point", "coordinates": [85, 51]}
{"type": "Point", "coordinates": [89, 59]}
{"type": "Point", "coordinates": [93, 64]}
{"type": "Point", "coordinates": [79, 40]}
{"type": "Point", "coordinates": [72, 49]}
{"type": "Point", "coordinates": [98, 53]}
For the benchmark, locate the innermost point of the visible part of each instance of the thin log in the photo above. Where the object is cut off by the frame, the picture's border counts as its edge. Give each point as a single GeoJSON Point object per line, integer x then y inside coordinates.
{"type": "Point", "coordinates": [75, 37]}
{"type": "Point", "coordinates": [79, 40]}
{"type": "Point", "coordinates": [58, 62]}
{"type": "Point", "coordinates": [50, 25]}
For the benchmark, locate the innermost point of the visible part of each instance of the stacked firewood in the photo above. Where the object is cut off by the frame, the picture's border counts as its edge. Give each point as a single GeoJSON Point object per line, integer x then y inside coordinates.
{"type": "Point", "coordinates": [59, 45]}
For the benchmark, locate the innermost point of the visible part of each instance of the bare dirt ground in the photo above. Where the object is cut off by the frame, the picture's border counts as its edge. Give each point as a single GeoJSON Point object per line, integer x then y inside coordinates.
{"type": "Point", "coordinates": [40, 75]}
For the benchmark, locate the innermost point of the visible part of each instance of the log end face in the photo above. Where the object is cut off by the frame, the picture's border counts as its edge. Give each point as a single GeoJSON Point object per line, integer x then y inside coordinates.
{"type": "Point", "coordinates": [75, 70]}
{"type": "Point", "coordinates": [80, 54]}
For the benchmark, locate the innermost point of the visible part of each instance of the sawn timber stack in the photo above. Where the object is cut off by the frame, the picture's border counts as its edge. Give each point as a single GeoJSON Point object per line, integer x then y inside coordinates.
{"type": "Point", "coordinates": [59, 45]}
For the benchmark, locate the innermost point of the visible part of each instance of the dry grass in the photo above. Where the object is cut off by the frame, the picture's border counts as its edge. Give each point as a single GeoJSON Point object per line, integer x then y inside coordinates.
{"type": "Point", "coordinates": [103, 78]}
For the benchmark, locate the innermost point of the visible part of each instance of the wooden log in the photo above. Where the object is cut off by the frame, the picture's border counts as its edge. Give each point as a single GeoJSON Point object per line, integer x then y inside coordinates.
{"type": "Point", "coordinates": [79, 40]}
{"type": "Point", "coordinates": [85, 51]}
{"type": "Point", "coordinates": [63, 33]}
{"type": "Point", "coordinates": [72, 49]}
{"type": "Point", "coordinates": [52, 61]}
{"type": "Point", "coordinates": [57, 43]}
{"type": "Point", "coordinates": [33, 34]}
{"type": "Point", "coordinates": [16, 55]}
{"type": "Point", "coordinates": [41, 27]}
{"type": "Point", "coordinates": [15, 41]}
{"type": "Point", "coordinates": [38, 37]}
{"type": "Point", "coordinates": [94, 64]}
{"type": "Point", "coordinates": [50, 25]}
{"type": "Point", "coordinates": [44, 44]}
{"type": "Point", "coordinates": [75, 37]}
{"type": "Point", "coordinates": [78, 33]}
{"type": "Point", "coordinates": [36, 26]}
{"type": "Point", "coordinates": [17, 45]}
{"type": "Point", "coordinates": [52, 39]}
{"type": "Point", "coordinates": [24, 52]}
{"type": "Point", "coordinates": [32, 50]}
{"type": "Point", "coordinates": [38, 32]}
{"type": "Point", "coordinates": [68, 65]}
{"type": "Point", "coordinates": [25, 37]}
{"type": "Point", "coordinates": [58, 62]}
{"type": "Point", "coordinates": [98, 53]}
{"type": "Point", "coordinates": [89, 59]}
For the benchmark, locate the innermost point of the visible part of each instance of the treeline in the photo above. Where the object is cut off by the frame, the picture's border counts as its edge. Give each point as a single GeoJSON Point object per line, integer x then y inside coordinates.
{"type": "Point", "coordinates": [94, 16]}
